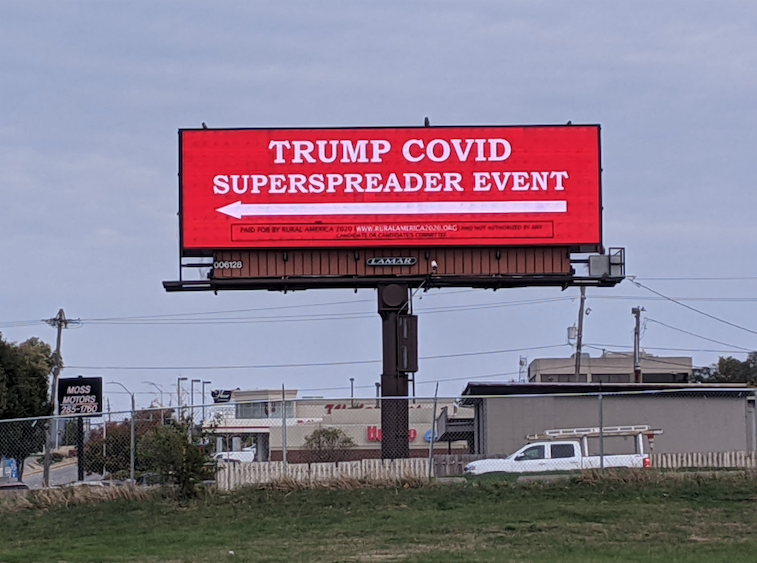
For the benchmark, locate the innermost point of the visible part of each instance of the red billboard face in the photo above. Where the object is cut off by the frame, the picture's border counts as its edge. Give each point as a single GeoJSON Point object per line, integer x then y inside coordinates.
{"type": "Point", "coordinates": [432, 186]}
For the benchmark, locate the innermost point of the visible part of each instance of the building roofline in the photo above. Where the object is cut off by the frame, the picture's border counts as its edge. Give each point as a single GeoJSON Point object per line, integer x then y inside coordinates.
{"type": "Point", "coordinates": [488, 389]}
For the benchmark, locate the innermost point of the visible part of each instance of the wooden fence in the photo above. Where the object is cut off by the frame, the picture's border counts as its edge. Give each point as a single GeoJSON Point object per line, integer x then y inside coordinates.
{"type": "Point", "coordinates": [701, 460]}
{"type": "Point", "coordinates": [452, 465]}
{"type": "Point", "coordinates": [233, 475]}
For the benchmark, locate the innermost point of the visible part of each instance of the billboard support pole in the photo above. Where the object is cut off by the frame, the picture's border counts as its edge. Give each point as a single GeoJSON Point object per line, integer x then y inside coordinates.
{"type": "Point", "coordinates": [395, 425]}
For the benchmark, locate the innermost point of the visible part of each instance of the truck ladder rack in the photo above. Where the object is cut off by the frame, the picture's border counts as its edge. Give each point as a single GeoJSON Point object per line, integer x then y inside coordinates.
{"type": "Point", "coordinates": [591, 432]}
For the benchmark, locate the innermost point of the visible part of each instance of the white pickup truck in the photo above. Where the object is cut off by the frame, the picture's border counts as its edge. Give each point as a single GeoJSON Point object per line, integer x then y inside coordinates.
{"type": "Point", "coordinates": [566, 455]}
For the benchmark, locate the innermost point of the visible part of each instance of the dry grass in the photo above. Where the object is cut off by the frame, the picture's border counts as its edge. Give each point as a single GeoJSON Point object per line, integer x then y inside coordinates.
{"type": "Point", "coordinates": [341, 484]}
{"type": "Point", "coordinates": [73, 496]}
{"type": "Point", "coordinates": [652, 477]}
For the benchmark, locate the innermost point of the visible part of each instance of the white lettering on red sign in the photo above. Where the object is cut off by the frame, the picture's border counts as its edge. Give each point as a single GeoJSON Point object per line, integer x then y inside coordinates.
{"type": "Point", "coordinates": [375, 434]}
{"type": "Point", "coordinates": [497, 185]}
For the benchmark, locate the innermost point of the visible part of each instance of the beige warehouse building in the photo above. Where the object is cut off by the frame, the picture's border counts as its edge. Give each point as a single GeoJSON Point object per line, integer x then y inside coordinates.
{"type": "Point", "coordinates": [693, 417]}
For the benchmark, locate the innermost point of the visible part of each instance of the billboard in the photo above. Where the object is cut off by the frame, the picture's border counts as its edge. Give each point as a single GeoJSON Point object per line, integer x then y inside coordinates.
{"type": "Point", "coordinates": [389, 187]}
{"type": "Point", "coordinates": [80, 396]}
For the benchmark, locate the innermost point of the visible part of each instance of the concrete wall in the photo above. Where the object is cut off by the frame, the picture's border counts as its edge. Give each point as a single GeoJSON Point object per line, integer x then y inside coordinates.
{"type": "Point", "coordinates": [689, 424]}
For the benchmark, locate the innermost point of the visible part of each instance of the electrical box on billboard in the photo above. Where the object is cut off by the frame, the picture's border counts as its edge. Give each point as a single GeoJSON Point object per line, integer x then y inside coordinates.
{"type": "Point", "coordinates": [407, 334]}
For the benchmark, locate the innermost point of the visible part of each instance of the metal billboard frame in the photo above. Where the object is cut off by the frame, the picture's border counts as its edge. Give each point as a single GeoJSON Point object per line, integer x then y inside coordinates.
{"type": "Point", "coordinates": [197, 253]}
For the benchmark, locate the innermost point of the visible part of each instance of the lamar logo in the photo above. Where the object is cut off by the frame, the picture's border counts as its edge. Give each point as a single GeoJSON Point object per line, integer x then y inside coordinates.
{"type": "Point", "coordinates": [389, 261]}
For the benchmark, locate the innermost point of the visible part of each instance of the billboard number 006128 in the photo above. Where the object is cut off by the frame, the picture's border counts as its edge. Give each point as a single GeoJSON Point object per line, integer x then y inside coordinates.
{"type": "Point", "coordinates": [228, 265]}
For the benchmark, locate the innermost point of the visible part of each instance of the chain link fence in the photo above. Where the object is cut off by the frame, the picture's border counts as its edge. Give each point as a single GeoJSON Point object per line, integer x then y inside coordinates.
{"type": "Point", "coordinates": [326, 438]}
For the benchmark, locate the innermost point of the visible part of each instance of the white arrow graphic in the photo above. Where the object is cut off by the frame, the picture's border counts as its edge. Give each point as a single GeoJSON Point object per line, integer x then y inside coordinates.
{"type": "Point", "coordinates": [239, 209]}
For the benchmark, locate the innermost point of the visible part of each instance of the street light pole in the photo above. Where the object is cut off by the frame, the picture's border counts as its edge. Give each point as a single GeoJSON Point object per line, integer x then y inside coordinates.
{"type": "Point", "coordinates": [192, 400]}
{"type": "Point", "coordinates": [160, 390]}
{"type": "Point", "coordinates": [133, 432]}
{"type": "Point", "coordinates": [178, 392]}
{"type": "Point", "coordinates": [204, 402]}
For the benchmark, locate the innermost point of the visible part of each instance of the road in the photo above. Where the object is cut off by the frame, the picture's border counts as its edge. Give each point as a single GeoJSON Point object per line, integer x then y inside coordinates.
{"type": "Point", "coordinates": [60, 474]}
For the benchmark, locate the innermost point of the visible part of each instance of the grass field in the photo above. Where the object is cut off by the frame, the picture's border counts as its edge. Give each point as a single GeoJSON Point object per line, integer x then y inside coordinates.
{"type": "Point", "coordinates": [662, 519]}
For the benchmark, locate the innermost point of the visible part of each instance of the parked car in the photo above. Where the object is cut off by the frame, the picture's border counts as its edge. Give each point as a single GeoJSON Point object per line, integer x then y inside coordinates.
{"type": "Point", "coordinates": [553, 456]}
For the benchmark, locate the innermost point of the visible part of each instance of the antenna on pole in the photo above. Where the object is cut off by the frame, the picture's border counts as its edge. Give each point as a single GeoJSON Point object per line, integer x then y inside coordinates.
{"type": "Point", "coordinates": [522, 363]}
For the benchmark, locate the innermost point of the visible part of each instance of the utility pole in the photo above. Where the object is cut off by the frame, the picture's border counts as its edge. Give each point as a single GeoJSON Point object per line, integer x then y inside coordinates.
{"type": "Point", "coordinates": [636, 312]}
{"type": "Point", "coordinates": [580, 334]}
{"type": "Point", "coordinates": [59, 323]}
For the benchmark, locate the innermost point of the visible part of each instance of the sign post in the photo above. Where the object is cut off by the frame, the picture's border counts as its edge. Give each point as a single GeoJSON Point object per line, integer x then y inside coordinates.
{"type": "Point", "coordinates": [393, 300]}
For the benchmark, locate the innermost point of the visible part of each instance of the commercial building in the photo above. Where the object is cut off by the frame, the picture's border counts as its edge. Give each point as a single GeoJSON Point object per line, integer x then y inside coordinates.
{"type": "Point", "coordinates": [693, 417]}
{"type": "Point", "coordinates": [259, 419]}
{"type": "Point", "coordinates": [611, 367]}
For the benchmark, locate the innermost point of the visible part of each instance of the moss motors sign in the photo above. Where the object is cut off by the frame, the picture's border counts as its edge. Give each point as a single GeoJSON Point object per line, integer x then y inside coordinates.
{"type": "Point", "coordinates": [80, 396]}
{"type": "Point", "coordinates": [392, 261]}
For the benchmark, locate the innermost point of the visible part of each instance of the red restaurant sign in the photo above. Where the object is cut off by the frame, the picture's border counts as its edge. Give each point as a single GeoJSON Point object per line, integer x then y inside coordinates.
{"type": "Point", "coordinates": [381, 187]}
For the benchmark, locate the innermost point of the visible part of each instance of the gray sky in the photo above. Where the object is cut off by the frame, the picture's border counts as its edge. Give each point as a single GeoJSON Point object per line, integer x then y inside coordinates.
{"type": "Point", "coordinates": [93, 94]}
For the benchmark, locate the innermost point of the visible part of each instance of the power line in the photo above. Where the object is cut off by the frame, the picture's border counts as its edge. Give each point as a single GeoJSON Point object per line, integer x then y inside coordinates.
{"type": "Point", "coordinates": [20, 324]}
{"type": "Point", "coordinates": [12, 324]}
{"type": "Point", "coordinates": [431, 382]}
{"type": "Point", "coordinates": [713, 317]}
{"type": "Point", "coordinates": [697, 278]}
{"type": "Point", "coordinates": [186, 318]}
{"type": "Point", "coordinates": [695, 335]}
{"type": "Point", "coordinates": [257, 309]}
{"type": "Point", "coordinates": [312, 364]}
{"type": "Point", "coordinates": [708, 299]}
{"type": "Point", "coordinates": [606, 347]}
{"type": "Point", "coordinates": [645, 358]}
{"type": "Point", "coordinates": [317, 317]}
